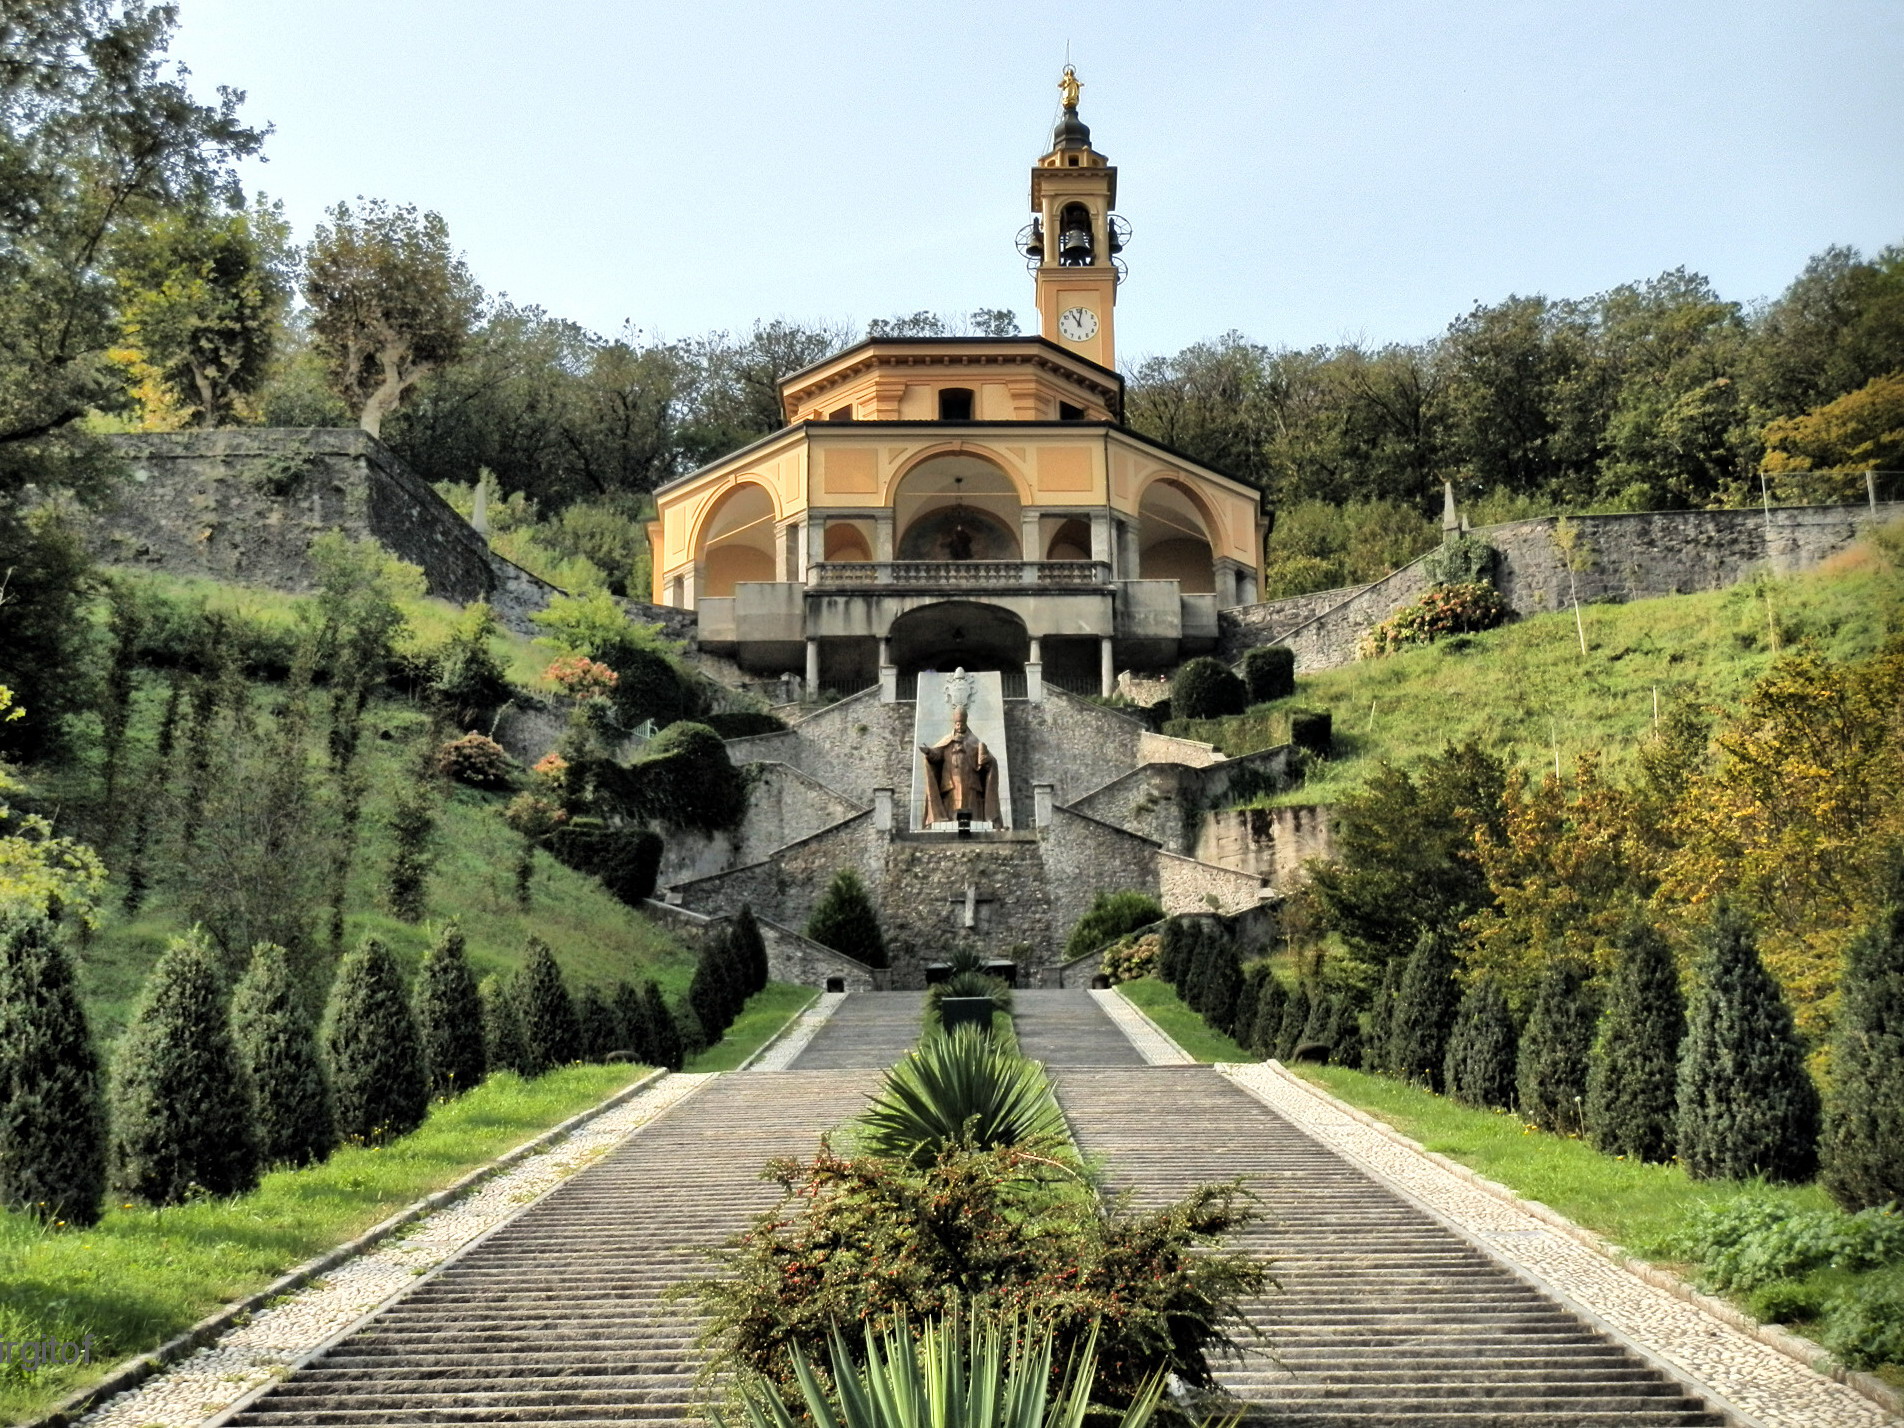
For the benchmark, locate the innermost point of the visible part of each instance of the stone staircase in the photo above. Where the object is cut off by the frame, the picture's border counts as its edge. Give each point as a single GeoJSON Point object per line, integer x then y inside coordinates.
{"type": "Point", "coordinates": [558, 1318]}
{"type": "Point", "coordinates": [1386, 1318]}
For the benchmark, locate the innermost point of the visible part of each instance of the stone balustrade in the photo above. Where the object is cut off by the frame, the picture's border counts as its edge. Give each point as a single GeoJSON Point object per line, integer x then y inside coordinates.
{"type": "Point", "coordinates": [959, 574]}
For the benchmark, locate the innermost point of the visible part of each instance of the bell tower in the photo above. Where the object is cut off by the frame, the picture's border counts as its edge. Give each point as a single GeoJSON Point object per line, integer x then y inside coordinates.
{"type": "Point", "coordinates": [1073, 239]}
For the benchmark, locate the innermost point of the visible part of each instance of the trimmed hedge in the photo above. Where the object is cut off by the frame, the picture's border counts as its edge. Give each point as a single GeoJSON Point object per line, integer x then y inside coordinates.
{"type": "Point", "coordinates": [1269, 672]}
{"type": "Point", "coordinates": [1204, 688]}
{"type": "Point", "coordinates": [625, 859]}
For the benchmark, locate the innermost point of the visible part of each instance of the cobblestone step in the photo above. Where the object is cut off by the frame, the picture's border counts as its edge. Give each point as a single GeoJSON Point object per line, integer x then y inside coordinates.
{"type": "Point", "coordinates": [1386, 1317]}
{"type": "Point", "coordinates": [559, 1317]}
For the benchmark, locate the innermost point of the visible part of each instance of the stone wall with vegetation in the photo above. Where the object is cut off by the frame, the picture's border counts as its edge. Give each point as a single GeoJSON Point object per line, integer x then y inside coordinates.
{"type": "Point", "coordinates": [1168, 802]}
{"type": "Point", "coordinates": [783, 805]}
{"type": "Point", "coordinates": [1270, 843]}
{"type": "Point", "coordinates": [1186, 885]}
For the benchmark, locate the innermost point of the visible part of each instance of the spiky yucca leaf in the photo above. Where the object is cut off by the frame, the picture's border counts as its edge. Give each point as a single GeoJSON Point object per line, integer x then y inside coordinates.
{"type": "Point", "coordinates": [958, 1373]}
{"type": "Point", "coordinates": [959, 1089]}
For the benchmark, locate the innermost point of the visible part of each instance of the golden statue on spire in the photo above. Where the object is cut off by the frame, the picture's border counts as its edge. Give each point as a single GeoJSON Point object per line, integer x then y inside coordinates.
{"type": "Point", "coordinates": [1069, 86]}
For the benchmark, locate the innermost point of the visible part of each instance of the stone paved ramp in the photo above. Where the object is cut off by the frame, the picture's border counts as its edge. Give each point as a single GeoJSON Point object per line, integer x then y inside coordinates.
{"type": "Point", "coordinates": [1069, 1029]}
{"type": "Point", "coordinates": [868, 1029]}
{"type": "Point", "coordinates": [1387, 1318]}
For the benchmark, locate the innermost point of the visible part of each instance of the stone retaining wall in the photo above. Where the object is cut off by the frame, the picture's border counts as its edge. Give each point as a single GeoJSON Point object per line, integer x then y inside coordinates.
{"type": "Point", "coordinates": [791, 957]}
{"type": "Point", "coordinates": [1270, 843]}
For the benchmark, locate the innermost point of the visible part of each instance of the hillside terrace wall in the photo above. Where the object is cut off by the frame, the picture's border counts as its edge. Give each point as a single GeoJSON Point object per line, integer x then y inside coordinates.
{"type": "Point", "coordinates": [1169, 802]}
{"type": "Point", "coordinates": [1635, 556]}
{"type": "Point", "coordinates": [783, 805]}
{"type": "Point", "coordinates": [1269, 843]}
{"type": "Point", "coordinates": [791, 957]}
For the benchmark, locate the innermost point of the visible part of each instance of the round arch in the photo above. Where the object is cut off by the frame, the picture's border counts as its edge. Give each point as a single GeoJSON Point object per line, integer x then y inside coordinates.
{"type": "Point", "coordinates": [957, 505]}
{"type": "Point", "coordinates": [1006, 467]}
{"type": "Point", "coordinates": [1177, 536]}
{"type": "Point", "coordinates": [952, 633]}
{"type": "Point", "coordinates": [736, 539]}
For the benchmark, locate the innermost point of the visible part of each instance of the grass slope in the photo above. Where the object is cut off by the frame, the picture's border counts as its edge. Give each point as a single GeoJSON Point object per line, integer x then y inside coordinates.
{"type": "Point", "coordinates": [1159, 1001]}
{"type": "Point", "coordinates": [1526, 691]}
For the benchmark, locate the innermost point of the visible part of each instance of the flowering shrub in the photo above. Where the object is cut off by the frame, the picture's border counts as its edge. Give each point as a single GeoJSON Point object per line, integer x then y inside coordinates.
{"type": "Point", "coordinates": [582, 677]}
{"type": "Point", "coordinates": [551, 768]}
{"type": "Point", "coordinates": [533, 816]}
{"type": "Point", "coordinates": [1442, 610]}
{"type": "Point", "coordinates": [1130, 959]}
{"type": "Point", "coordinates": [476, 760]}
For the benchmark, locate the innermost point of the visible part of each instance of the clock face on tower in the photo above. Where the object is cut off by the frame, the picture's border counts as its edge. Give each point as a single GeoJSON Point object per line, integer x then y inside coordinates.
{"type": "Point", "coordinates": [1077, 324]}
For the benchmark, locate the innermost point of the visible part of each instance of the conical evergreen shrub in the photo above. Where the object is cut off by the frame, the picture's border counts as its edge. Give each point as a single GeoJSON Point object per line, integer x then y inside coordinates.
{"type": "Point", "coordinates": [379, 1085]}
{"type": "Point", "coordinates": [1423, 1016]}
{"type": "Point", "coordinates": [502, 1026]}
{"type": "Point", "coordinates": [1295, 1018]}
{"type": "Point", "coordinates": [1482, 1049]}
{"type": "Point", "coordinates": [1632, 1079]}
{"type": "Point", "coordinates": [666, 1036]}
{"type": "Point", "coordinates": [1747, 1105]}
{"type": "Point", "coordinates": [551, 1035]}
{"type": "Point", "coordinates": [1315, 1031]}
{"type": "Point", "coordinates": [631, 1023]}
{"type": "Point", "coordinates": [711, 992]}
{"type": "Point", "coordinates": [276, 1034]}
{"type": "Point", "coordinates": [1267, 1026]}
{"type": "Point", "coordinates": [1864, 1138]}
{"type": "Point", "coordinates": [1223, 983]}
{"type": "Point", "coordinates": [1254, 975]}
{"type": "Point", "coordinates": [1550, 1079]}
{"type": "Point", "coordinates": [449, 1017]}
{"type": "Point", "coordinates": [601, 1030]}
{"type": "Point", "coordinates": [52, 1112]}
{"type": "Point", "coordinates": [846, 922]}
{"type": "Point", "coordinates": [751, 950]}
{"type": "Point", "coordinates": [1175, 946]}
{"type": "Point", "coordinates": [1378, 1048]}
{"type": "Point", "coordinates": [181, 1107]}
{"type": "Point", "coordinates": [1345, 1032]}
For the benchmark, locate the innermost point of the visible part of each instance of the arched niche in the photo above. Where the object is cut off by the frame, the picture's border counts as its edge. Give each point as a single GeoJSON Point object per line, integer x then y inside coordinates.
{"type": "Point", "coordinates": [950, 634]}
{"type": "Point", "coordinates": [1173, 539]}
{"type": "Point", "coordinates": [957, 506]}
{"type": "Point", "coordinates": [737, 540]}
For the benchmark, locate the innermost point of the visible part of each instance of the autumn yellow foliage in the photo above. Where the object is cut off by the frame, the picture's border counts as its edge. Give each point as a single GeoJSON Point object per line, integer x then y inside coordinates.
{"type": "Point", "coordinates": [37, 867]}
{"type": "Point", "coordinates": [1822, 455]}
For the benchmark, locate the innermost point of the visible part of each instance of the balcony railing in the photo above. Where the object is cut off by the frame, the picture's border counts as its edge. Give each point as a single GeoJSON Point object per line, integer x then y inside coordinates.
{"type": "Point", "coordinates": [960, 574]}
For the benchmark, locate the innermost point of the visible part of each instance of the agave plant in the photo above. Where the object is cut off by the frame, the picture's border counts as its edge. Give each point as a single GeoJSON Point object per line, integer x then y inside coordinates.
{"type": "Point", "coordinates": [956, 1374]}
{"type": "Point", "coordinates": [959, 1089]}
{"type": "Point", "coordinates": [969, 984]}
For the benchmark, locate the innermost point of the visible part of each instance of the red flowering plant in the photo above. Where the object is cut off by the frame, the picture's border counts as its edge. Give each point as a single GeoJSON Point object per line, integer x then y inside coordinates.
{"type": "Point", "coordinates": [1459, 609]}
{"type": "Point", "coordinates": [1010, 1231]}
{"type": "Point", "coordinates": [581, 677]}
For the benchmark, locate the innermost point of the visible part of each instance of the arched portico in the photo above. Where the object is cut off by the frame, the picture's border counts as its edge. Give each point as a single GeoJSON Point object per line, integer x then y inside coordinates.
{"type": "Point", "coordinates": [736, 540]}
{"type": "Point", "coordinates": [1176, 538]}
{"type": "Point", "coordinates": [958, 506]}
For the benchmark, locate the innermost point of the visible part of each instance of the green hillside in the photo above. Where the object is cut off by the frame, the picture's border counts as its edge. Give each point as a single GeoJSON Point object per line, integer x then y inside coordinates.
{"type": "Point", "coordinates": [1527, 692]}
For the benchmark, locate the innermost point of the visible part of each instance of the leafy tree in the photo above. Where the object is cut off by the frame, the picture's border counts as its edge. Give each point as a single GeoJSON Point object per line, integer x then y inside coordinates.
{"type": "Point", "coordinates": [1747, 1105]}
{"type": "Point", "coordinates": [1112, 915]}
{"type": "Point", "coordinates": [666, 1044]}
{"type": "Point", "coordinates": [1405, 856]}
{"type": "Point", "coordinates": [52, 1116]}
{"type": "Point", "coordinates": [449, 1017]}
{"type": "Point", "coordinates": [1818, 456]}
{"type": "Point", "coordinates": [1425, 1004]}
{"type": "Point", "coordinates": [1631, 1079]}
{"type": "Point", "coordinates": [1864, 1137]}
{"type": "Point", "coordinates": [379, 1083]}
{"type": "Point", "coordinates": [735, 394]}
{"type": "Point", "coordinates": [181, 1106]}
{"type": "Point", "coordinates": [390, 302]}
{"type": "Point", "coordinates": [502, 1026]}
{"type": "Point", "coordinates": [845, 920]}
{"type": "Point", "coordinates": [1551, 1078]}
{"type": "Point", "coordinates": [551, 1036]}
{"type": "Point", "coordinates": [412, 836]}
{"type": "Point", "coordinates": [277, 1044]}
{"type": "Point", "coordinates": [1839, 324]}
{"type": "Point", "coordinates": [202, 295]}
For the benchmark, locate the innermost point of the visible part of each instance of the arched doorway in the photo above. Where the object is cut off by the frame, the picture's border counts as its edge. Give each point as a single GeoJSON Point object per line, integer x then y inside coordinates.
{"type": "Point", "coordinates": [737, 540]}
{"type": "Point", "coordinates": [957, 507]}
{"type": "Point", "coordinates": [951, 634]}
{"type": "Point", "coordinates": [1173, 539]}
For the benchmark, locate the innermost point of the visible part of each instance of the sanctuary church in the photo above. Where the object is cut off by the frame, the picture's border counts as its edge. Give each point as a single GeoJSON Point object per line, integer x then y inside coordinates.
{"type": "Point", "coordinates": [972, 502]}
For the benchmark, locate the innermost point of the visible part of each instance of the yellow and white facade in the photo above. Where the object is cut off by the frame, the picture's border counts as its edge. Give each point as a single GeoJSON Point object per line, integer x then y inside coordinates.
{"type": "Point", "coordinates": [975, 501]}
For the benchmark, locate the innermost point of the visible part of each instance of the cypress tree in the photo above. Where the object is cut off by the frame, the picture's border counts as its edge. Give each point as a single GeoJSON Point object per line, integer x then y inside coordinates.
{"type": "Point", "coordinates": [413, 835]}
{"type": "Point", "coordinates": [181, 1110]}
{"type": "Point", "coordinates": [277, 1042]}
{"type": "Point", "coordinates": [1223, 984]}
{"type": "Point", "coordinates": [1175, 945]}
{"type": "Point", "coordinates": [600, 1028]}
{"type": "Point", "coordinates": [1345, 1032]}
{"type": "Point", "coordinates": [502, 1026]}
{"type": "Point", "coordinates": [1247, 1000]}
{"type": "Point", "coordinates": [1315, 1031]}
{"type": "Point", "coordinates": [631, 1023]}
{"type": "Point", "coordinates": [1425, 1005]}
{"type": "Point", "coordinates": [449, 1017]}
{"type": "Point", "coordinates": [846, 922]}
{"type": "Point", "coordinates": [1295, 1018]}
{"type": "Point", "coordinates": [380, 1087]}
{"type": "Point", "coordinates": [1481, 1059]}
{"type": "Point", "coordinates": [709, 992]}
{"type": "Point", "coordinates": [1864, 1139]}
{"type": "Point", "coordinates": [1271, 1002]}
{"type": "Point", "coordinates": [52, 1116]}
{"type": "Point", "coordinates": [666, 1043]}
{"type": "Point", "coordinates": [752, 950]}
{"type": "Point", "coordinates": [1632, 1079]}
{"type": "Point", "coordinates": [551, 1035]}
{"type": "Point", "coordinates": [1378, 1050]}
{"type": "Point", "coordinates": [1550, 1079]}
{"type": "Point", "coordinates": [1747, 1106]}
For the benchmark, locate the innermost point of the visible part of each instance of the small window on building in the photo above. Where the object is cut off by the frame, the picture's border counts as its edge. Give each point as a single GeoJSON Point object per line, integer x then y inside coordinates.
{"type": "Point", "coordinates": [1072, 161]}
{"type": "Point", "coordinates": [1067, 412]}
{"type": "Point", "coordinates": [955, 404]}
{"type": "Point", "coordinates": [840, 414]}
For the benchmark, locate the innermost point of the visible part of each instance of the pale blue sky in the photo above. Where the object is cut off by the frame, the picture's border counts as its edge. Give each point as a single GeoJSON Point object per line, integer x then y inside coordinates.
{"type": "Point", "coordinates": [1303, 172]}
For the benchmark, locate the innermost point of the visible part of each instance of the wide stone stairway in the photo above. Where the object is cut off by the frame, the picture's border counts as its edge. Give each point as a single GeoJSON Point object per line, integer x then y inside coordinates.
{"type": "Point", "coordinates": [1385, 1317]}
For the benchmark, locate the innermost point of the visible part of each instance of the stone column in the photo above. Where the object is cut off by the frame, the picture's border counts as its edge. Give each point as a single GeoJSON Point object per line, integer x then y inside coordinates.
{"type": "Point", "coordinates": [883, 536]}
{"type": "Point", "coordinates": [1103, 533]}
{"type": "Point", "coordinates": [888, 673]}
{"type": "Point", "coordinates": [1106, 671]}
{"type": "Point", "coordinates": [1029, 538]}
{"type": "Point", "coordinates": [813, 668]}
{"type": "Point", "coordinates": [815, 545]}
{"type": "Point", "coordinates": [1130, 562]}
{"type": "Point", "coordinates": [1035, 672]}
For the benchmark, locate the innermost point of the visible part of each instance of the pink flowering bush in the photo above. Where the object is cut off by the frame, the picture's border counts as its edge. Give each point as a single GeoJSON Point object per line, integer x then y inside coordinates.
{"type": "Point", "coordinates": [1442, 610]}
